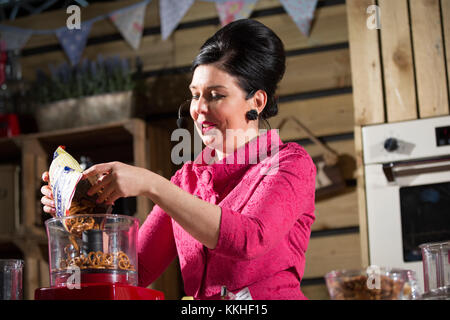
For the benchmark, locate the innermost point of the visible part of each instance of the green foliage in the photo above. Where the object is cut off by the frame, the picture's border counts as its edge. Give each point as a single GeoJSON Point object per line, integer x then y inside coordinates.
{"type": "Point", "coordinates": [86, 79]}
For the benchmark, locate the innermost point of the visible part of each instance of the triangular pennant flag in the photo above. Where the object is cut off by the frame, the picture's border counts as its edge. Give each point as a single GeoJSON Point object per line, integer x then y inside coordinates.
{"type": "Point", "coordinates": [15, 40]}
{"type": "Point", "coordinates": [230, 11]}
{"type": "Point", "coordinates": [302, 12]}
{"type": "Point", "coordinates": [171, 13]}
{"type": "Point", "coordinates": [73, 41]}
{"type": "Point", "coordinates": [130, 24]}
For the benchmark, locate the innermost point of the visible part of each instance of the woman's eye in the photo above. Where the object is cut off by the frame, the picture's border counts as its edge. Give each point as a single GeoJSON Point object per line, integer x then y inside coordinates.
{"type": "Point", "coordinates": [212, 96]}
{"type": "Point", "coordinates": [217, 96]}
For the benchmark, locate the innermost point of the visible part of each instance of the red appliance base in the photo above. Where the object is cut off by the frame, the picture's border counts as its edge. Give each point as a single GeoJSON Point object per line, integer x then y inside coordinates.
{"type": "Point", "coordinates": [99, 291]}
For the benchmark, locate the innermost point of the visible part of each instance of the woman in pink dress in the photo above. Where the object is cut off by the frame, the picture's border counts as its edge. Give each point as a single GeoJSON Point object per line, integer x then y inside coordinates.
{"type": "Point", "coordinates": [240, 214]}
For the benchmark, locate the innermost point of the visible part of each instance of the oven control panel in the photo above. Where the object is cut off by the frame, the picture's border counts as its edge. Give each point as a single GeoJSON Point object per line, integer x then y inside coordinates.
{"type": "Point", "coordinates": [443, 136]}
{"type": "Point", "coordinates": [406, 140]}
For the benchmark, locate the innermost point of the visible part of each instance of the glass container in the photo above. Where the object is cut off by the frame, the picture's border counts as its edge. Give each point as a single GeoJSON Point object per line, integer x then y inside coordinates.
{"type": "Point", "coordinates": [11, 277]}
{"type": "Point", "coordinates": [94, 248]}
{"type": "Point", "coordinates": [373, 283]}
{"type": "Point", "coordinates": [436, 269]}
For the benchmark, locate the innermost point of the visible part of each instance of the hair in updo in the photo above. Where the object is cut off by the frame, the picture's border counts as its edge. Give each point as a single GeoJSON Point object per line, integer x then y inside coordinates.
{"type": "Point", "coordinates": [251, 52]}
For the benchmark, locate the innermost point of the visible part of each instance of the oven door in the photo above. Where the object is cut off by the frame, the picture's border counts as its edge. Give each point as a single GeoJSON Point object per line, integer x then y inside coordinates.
{"type": "Point", "coordinates": [408, 203]}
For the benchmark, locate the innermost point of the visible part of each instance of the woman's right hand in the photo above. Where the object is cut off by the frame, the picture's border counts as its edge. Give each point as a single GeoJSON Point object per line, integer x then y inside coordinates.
{"type": "Point", "coordinates": [47, 199]}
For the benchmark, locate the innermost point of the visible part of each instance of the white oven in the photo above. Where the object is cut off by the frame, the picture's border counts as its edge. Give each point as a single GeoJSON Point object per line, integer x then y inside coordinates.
{"type": "Point", "coordinates": [407, 173]}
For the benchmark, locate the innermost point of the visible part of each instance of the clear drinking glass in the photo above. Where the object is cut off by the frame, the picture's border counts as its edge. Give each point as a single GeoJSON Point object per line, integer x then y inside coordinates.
{"type": "Point", "coordinates": [11, 277]}
{"type": "Point", "coordinates": [436, 266]}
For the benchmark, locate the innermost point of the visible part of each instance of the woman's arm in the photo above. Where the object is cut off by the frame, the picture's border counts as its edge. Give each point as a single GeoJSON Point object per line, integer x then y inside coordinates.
{"type": "Point", "coordinates": [198, 217]}
{"type": "Point", "coordinates": [274, 207]}
{"type": "Point", "coordinates": [156, 246]}
{"type": "Point", "coordinates": [281, 203]}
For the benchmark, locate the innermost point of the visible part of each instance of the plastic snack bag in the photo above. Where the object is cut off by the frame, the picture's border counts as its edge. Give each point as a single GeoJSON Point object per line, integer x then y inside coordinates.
{"type": "Point", "coordinates": [69, 191]}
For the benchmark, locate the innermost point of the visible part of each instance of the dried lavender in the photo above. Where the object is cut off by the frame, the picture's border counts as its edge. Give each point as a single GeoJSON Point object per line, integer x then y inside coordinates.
{"type": "Point", "coordinates": [90, 77]}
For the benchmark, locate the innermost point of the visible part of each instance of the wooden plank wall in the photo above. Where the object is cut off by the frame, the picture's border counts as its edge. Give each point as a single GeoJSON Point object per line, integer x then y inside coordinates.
{"type": "Point", "coordinates": [399, 71]}
{"type": "Point", "coordinates": [414, 36]}
{"type": "Point", "coordinates": [317, 90]}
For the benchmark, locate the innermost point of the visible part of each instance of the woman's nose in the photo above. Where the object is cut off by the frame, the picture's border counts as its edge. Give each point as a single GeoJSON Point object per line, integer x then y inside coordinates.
{"type": "Point", "coordinates": [200, 105]}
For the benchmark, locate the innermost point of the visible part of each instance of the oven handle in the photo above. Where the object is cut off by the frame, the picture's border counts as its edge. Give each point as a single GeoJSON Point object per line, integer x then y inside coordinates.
{"type": "Point", "coordinates": [388, 168]}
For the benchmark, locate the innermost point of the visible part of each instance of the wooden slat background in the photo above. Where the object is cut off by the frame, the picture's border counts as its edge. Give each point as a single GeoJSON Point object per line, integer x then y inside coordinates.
{"type": "Point", "coordinates": [180, 48]}
{"type": "Point", "coordinates": [397, 61]}
{"type": "Point", "coordinates": [364, 51]}
{"type": "Point", "coordinates": [337, 251]}
{"type": "Point", "coordinates": [413, 49]}
{"type": "Point", "coordinates": [336, 110]}
{"type": "Point", "coordinates": [317, 90]}
{"type": "Point", "coordinates": [445, 7]}
{"type": "Point", "coordinates": [429, 57]}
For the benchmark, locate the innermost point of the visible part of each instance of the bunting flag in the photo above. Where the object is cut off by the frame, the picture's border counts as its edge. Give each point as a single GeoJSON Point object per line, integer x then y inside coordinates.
{"type": "Point", "coordinates": [302, 12]}
{"type": "Point", "coordinates": [230, 11]}
{"type": "Point", "coordinates": [15, 40]}
{"type": "Point", "coordinates": [171, 12]}
{"type": "Point", "coordinates": [130, 24]}
{"type": "Point", "coordinates": [73, 41]}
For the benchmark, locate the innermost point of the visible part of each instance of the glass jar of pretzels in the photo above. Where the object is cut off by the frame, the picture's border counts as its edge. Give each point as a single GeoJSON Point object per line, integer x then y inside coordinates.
{"type": "Point", "coordinates": [86, 247]}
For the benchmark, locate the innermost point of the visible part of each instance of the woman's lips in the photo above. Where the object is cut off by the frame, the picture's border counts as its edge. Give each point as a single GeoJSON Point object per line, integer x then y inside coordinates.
{"type": "Point", "coordinates": [206, 126]}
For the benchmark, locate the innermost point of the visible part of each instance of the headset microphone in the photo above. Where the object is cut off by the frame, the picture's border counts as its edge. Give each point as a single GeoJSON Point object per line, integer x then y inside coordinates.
{"type": "Point", "coordinates": [182, 121]}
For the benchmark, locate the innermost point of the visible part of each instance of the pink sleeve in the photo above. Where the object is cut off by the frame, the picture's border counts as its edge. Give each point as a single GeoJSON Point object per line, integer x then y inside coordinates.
{"type": "Point", "coordinates": [156, 243]}
{"type": "Point", "coordinates": [279, 201]}
{"type": "Point", "coordinates": [156, 246]}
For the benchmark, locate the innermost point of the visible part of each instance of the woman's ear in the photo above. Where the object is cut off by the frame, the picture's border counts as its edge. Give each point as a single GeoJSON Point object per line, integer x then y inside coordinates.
{"type": "Point", "coordinates": [260, 100]}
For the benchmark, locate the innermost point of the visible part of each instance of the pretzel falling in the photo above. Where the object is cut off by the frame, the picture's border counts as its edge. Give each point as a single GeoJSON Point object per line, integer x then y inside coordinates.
{"type": "Point", "coordinates": [77, 225]}
{"type": "Point", "coordinates": [83, 206]}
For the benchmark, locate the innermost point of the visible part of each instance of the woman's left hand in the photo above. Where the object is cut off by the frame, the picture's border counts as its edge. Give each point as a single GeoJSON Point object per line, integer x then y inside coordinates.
{"type": "Point", "coordinates": [117, 180]}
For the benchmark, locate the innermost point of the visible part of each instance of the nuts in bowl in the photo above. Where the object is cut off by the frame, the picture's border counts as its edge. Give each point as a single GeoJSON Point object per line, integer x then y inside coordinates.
{"type": "Point", "coordinates": [373, 283]}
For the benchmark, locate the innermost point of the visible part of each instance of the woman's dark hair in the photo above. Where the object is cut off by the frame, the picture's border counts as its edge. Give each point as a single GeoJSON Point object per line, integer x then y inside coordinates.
{"type": "Point", "coordinates": [252, 53]}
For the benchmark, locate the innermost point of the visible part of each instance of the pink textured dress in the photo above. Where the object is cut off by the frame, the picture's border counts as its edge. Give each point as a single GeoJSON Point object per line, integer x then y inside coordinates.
{"type": "Point", "coordinates": [267, 202]}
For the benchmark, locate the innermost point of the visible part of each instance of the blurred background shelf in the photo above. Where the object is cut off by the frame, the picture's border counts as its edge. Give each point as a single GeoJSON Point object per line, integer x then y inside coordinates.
{"type": "Point", "coordinates": [28, 156]}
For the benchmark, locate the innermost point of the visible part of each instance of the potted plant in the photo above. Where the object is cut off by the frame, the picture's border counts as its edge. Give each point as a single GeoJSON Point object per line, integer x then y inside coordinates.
{"type": "Point", "coordinates": [93, 92]}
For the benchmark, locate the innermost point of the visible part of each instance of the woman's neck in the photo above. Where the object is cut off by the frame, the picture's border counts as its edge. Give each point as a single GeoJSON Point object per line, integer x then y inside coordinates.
{"type": "Point", "coordinates": [220, 154]}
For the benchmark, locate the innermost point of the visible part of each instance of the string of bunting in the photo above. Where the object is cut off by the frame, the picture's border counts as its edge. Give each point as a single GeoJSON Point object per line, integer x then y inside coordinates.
{"type": "Point", "coordinates": [130, 22]}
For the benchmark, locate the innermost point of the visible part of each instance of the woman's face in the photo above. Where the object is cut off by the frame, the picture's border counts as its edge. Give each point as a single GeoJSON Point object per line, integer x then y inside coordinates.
{"type": "Point", "coordinates": [218, 105]}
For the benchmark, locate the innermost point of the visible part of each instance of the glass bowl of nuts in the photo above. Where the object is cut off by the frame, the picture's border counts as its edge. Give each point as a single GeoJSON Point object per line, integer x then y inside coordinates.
{"type": "Point", "coordinates": [373, 283]}
{"type": "Point", "coordinates": [92, 248]}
